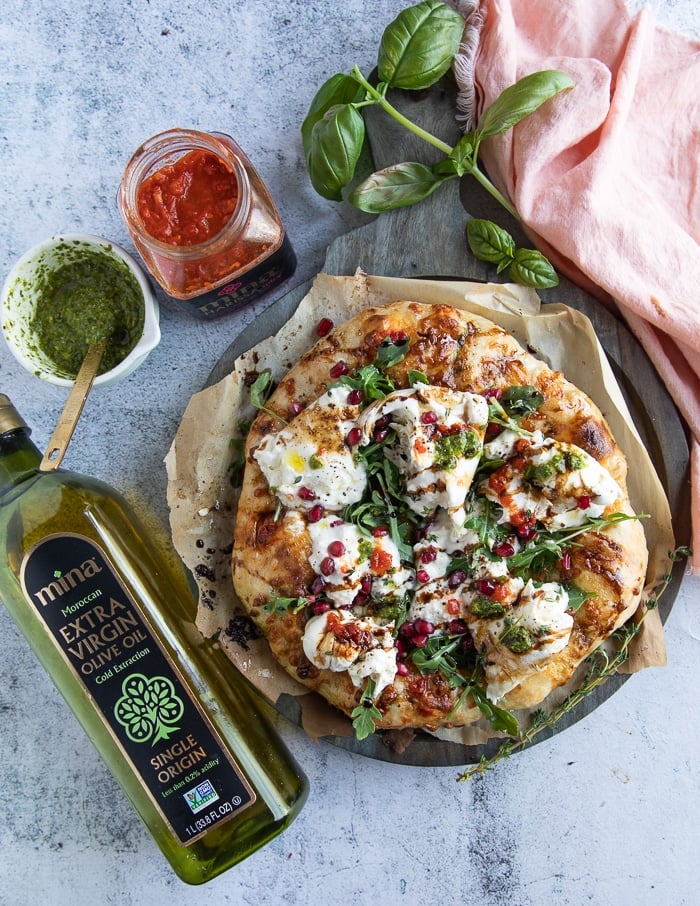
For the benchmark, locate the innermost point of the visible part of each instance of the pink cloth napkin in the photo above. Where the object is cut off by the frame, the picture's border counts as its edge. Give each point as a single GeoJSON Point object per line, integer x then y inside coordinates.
{"type": "Point", "coordinates": [606, 177]}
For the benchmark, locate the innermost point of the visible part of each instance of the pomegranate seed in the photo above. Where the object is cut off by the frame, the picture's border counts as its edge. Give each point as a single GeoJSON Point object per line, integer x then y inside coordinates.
{"type": "Point", "coordinates": [503, 549]}
{"type": "Point", "coordinates": [429, 555]}
{"type": "Point", "coordinates": [318, 585]}
{"type": "Point", "coordinates": [327, 566]}
{"type": "Point", "coordinates": [493, 429]}
{"type": "Point", "coordinates": [316, 513]}
{"type": "Point", "coordinates": [380, 435]}
{"type": "Point", "coordinates": [324, 327]}
{"type": "Point", "coordinates": [486, 587]}
{"type": "Point", "coordinates": [400, 646]}
{"type": "Point", "coordinates": [419, 640]}
{"type": "Point", "coordinates": [466, 643]}
{"type": "Point", "coordinates": [320, 607]}
{"type": "Point", "coordinates": [423, 576]}
{"type": "Point", "coordinates": [402, 669]}
{"type": "Point", "coordinates": [336, 548]}
{"type": "Point", "coordinates": [527, 532]}
{"type": "Point", "coordinates": [355, 397]}
{"type": "Point", "coordinates": [493, 393]}
{"type": "Point", "coordinates": [457, 627]}
{"type": "Point", "coordinates": [295, 408]}
{"type": "Point", "coordinates": [379, 531]}
{"type": "Point", "coordinates": [566, 560]}
{"type": "Point", "coordinates": [428, 418]}
{"type": "Point", "coordinates": [353, 437]}
{"type": "Point", "coordinates": [339, 369]}
{"type": "Point", "coordinates": [584, 502]}
{"type": "Point", "coordinates": [366, 584]}
{"type": "Point", "coordinates": [336, 523]}
{"type": "Point", "coordinates": [305, 493]}
{"type": "Point", "coordinates": [360, 599]}
{"type": "Point", "coordinates": [407, 630]}
{"type": "Point", "coordinates": [424, 627]}
{"type": "Point", "coordinates": [456, 578]}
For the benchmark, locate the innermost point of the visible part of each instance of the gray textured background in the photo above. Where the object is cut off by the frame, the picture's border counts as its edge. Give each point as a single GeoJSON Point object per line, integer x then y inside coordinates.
{"type": "Point", "coordinates": [606, 812]}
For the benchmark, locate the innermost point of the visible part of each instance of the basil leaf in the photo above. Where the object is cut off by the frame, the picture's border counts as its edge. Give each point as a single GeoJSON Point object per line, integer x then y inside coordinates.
{"type": "Point", "coordinates": [395, 187]}
{"type": "Point", "coordinates": [520, 100]}
{"type": "Point", "coordinates": [418, 47]}
{"type": "Point", "coordinates": [339, 89]}
{"type": "Point", "coordinates": [531, 268]}
{"type": "Point", "coordinates": [463, 156]}
{"type": "Point", "coordinates": [490, 242]}
{"type": "Point", "coordinates": [336, 144]}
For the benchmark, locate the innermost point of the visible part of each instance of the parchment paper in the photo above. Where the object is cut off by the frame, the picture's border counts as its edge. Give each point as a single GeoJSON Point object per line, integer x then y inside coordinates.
{"type": "Point", "coordinates": [202, 499]}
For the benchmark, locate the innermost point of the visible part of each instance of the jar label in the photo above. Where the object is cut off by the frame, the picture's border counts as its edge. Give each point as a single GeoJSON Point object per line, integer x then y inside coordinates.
{"type": "Point", "coordinates": [138, 691]}
{"type": "Point", "coordinates": [246, 287]}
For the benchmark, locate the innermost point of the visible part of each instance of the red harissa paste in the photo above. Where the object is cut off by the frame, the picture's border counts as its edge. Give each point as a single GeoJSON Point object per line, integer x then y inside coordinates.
{"type": "Point", "coordinates": [189, 201]}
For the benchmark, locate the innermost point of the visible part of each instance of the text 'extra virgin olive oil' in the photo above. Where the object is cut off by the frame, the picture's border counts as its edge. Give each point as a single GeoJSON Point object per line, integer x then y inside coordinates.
{"type": "Point", "coordinates": [111, 620]}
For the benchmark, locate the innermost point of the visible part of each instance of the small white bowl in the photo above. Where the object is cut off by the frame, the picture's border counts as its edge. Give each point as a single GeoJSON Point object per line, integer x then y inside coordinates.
{"type": "Point", "coordinates": [20, 298]}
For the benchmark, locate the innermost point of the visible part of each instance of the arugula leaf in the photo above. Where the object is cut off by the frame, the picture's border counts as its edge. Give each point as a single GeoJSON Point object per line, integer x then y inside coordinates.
{"type": "Point", "coordinates": [366, 713]}
{"type": "Point", "coordinates": [500, 719]}
{"type": "Point", "coordinates": [521, 400]}
{"type": "Point", "coordinates": [281, 605]}
{"type": "Point", "coordinates": [417, 377]}
{"type": "Point", "coordinates": [390, 352]}
{"type": "Point", "coordinates": [373, 383]}
{"type": "Point", "coordinates": [260, 391]}
{"type": "Point", "coordinates": [237, 444]}
{"type": "Point", "coordinates": [436, 655]}
{"type": "Point", "coordinates": [500, 416]}
{"type": "Point", "coordinates": [577, 596]}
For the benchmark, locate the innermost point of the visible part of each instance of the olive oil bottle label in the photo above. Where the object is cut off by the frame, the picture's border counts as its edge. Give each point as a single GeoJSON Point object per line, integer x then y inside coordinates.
{"type": "Point", "coordinates": [161, 729]}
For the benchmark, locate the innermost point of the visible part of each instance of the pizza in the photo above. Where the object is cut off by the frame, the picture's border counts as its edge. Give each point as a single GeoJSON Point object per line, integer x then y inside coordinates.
{"type": "Point", "coordinates": [433, 525]}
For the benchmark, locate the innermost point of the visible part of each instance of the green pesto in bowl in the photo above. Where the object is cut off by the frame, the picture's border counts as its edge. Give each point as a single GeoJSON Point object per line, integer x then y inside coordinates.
{"type": "Point", "coordinates": [84, 293]}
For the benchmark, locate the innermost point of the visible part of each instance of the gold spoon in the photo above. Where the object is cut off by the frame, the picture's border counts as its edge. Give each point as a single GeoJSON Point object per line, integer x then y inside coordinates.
{"type": "Point", "coordinates": [74, 406]}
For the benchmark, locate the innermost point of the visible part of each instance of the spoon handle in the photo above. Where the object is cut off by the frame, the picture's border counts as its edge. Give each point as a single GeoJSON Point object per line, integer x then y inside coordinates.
{"type": "Point", "coordinates": [74, 406]}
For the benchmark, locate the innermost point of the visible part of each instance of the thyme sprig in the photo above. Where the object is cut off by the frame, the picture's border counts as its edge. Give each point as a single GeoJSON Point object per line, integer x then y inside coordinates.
{"type": "Point", "coordinates": [602, 664]}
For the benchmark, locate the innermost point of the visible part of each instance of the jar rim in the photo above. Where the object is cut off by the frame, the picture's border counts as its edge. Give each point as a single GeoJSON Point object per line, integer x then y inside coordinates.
{"type": "Point", "coordinates": [167, 147]}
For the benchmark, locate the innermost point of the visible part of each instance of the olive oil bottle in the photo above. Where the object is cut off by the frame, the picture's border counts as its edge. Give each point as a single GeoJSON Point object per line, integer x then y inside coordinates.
{"type": "Point", "coordinates": [111, 620]}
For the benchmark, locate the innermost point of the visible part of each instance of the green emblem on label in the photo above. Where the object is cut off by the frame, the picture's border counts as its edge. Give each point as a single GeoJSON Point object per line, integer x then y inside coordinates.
{"type": "Point", "coordinates": [149, 708]}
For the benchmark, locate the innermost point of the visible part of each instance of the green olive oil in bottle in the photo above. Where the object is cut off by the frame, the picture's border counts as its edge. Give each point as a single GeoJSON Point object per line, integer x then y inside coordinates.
{"type": "Point", "coordinates": [111, 620]}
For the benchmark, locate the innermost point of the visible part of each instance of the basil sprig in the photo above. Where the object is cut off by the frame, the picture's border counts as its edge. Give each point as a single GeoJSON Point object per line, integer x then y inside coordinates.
{"type": "Point", "coordinates": [492, 243]}
{"type": "Point", "coordinates": [415, 51]}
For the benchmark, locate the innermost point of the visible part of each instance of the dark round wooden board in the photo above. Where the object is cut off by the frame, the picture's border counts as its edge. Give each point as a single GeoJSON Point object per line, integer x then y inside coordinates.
{"type": "Point", "coordinates": [428, 239]}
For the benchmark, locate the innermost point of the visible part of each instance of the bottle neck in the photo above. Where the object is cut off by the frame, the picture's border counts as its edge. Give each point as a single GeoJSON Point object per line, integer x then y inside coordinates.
{"type": "Point", "coordinates": [19, 458]}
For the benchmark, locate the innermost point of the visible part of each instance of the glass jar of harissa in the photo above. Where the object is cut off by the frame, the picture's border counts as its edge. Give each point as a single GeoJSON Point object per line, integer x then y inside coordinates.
{"type": "Point", "coordinates": [204, 222]}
